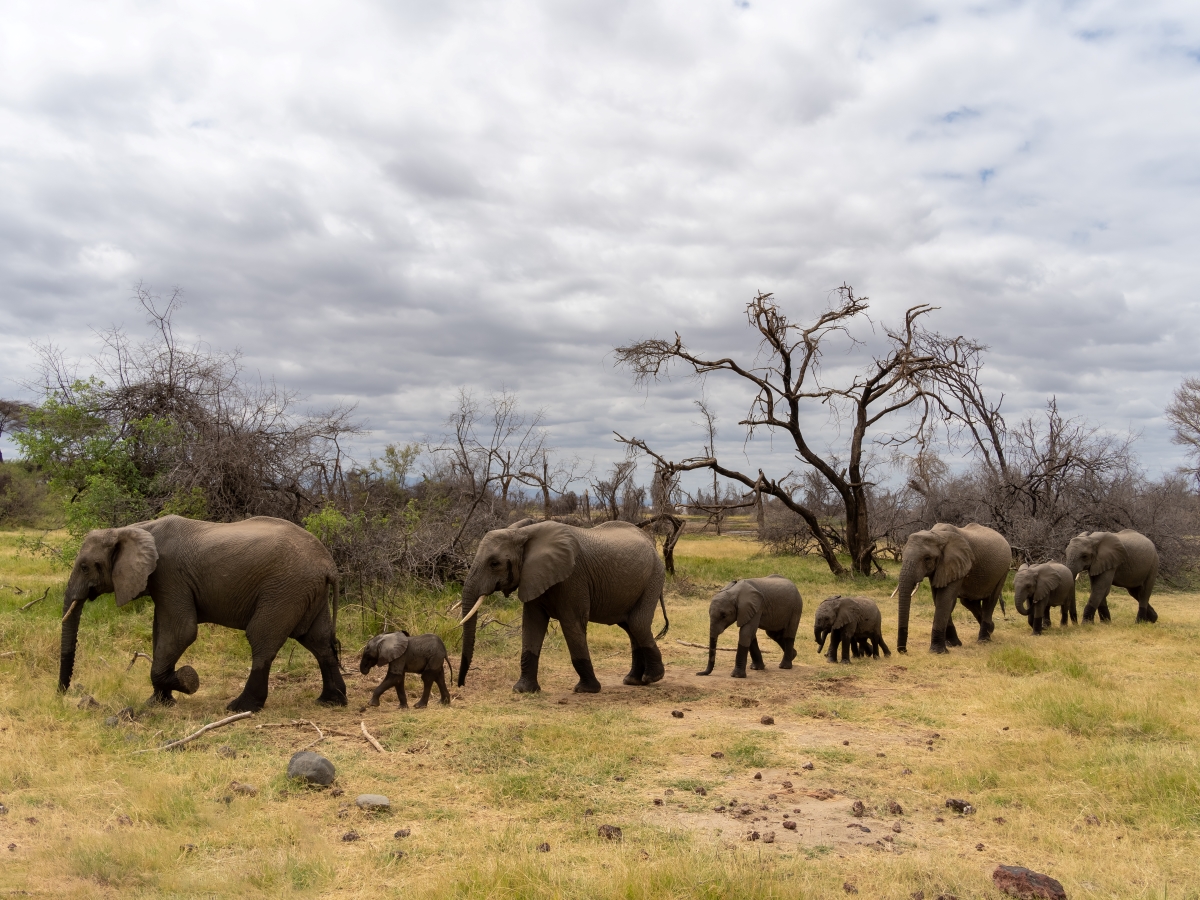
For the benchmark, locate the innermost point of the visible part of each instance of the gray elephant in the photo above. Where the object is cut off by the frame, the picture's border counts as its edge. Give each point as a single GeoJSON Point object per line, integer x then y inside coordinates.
{"type": "Point", "coordinates": [853, 622]}
{"type": "Point", "coordinates": [264, 576]}
{"type": "Point", "coordinates": [424, 654]}
{"type": "Point", "coordinates": [772, 604]}
{"type": "Point", "coordinates": [610, 574]}
{"type": "Point", "coordinates": [1038, 588]}
{"type": "Point", "coordinates": [1126, 559]}
{"type": "Point", "coordinates": [968, 564]}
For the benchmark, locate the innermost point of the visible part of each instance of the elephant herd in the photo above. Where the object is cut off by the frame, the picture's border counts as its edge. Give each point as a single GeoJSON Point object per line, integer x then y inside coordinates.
{"type": "Point", "coordinates": [272, 580]}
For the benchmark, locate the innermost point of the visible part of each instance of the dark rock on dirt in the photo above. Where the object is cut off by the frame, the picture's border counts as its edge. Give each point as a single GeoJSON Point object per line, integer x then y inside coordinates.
{"type": "Point", "coordinates": [896, 827]}
{"type": "Point", "coordinates": [402, 833]}
{"type": "Point", "coordinates": [311, 767]}
{"type": "Point", "coordinates": [124, 820]}
{"type": "Point", "coordinates": [758, 776]}
{"type": "Point", "coordinates": [789, 825]}
{"type": "Point", "coordinates": [807, 766]}
{"type": "Point", "coordinates": [678, 714]}
{"type": "Point", "coordinates": [894, 808]}
{"type": "Point", "coordinates": [858, 810]}
{"type": "Point", "coordinates": [767, 720]}
{"type": "Point", "coordinates": [1017, 881]}
{"type": "Point", "coordinates": [962, 807]}
{"type": "Point", "coordinates": [845, 743]}
{"type": "Point", "coordinates": [979, 847]}
{"type": "Point", "coordinates": [769, 837]}
{"type": "Point", "coordinates": [589, 812]}
{"type": "Point", "coordinates": [350, 836]}
{"type": "Point", "coordinates": [12, 848]}
{"type": "Point", "coordinates": [702, 792]}
{"type": "Point", "coordinates": [753, 836]}
{"type": "Point", "coordinates": [1092, 820]}
{"type": "Point", "coordinates": [609, 832]}
{"type": "Point", "coordinates": [125, 714]}
{"type": "Point", "coordinates": [336, 792]}
{"type": "Point", "coordinates": [849, 888]}
{"type": "Point", "coordinates": [786, 784]}
{"type": "Point", "coordinates": [543, 848]}
{"type": "Point", "coordinates": [917, 895]}
{"type": "Point", "coordinates": [188, 848]}
{"type": "Point", "coordinates": [717, 754]}
{"type": "Point", "coordinates": [658, 801]}
{"type": "Point", "coordinates": [718, 809]}
{"type": "Point", "coordinates": [999, 820]}
{"type": "Point", "coordinates": [3, 810]}
{"type": "Point", "coordinates": [227, 752]}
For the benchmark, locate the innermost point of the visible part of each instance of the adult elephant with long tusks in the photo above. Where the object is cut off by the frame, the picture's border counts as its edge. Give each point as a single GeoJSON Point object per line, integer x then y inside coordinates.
{"type": "Point", "coordinates": [1125, 559]}
{"type": "Point", "coordinates": [265, 576]}
{"type": "Point", "coordinates": [609, 574]}
{"type": "Point", "coordinates": [968, 564]}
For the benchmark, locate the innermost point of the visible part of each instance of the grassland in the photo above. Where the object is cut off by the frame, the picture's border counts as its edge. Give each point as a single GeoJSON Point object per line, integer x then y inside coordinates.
{"type": "Point", "coordinates": [1078, 750]}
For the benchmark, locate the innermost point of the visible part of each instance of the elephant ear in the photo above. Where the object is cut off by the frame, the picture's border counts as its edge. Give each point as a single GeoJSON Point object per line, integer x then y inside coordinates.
{"type": "Point", "coordinates": [1110, 553]}
{"type": "Point", "coordinates": [135, 556]}
{"type": "Point", "coordinates": [957, 559]}
{"type": "Point", "coordinates": [549, 558]}
{"type": "Point", "coordinates": [390, 647]}
{"type": "Point", "coordinates": [845, 615]}
{"type": "Point", "coordinates": [1048, 582]}
{"type": "Point", "coordinates": [750, 603]}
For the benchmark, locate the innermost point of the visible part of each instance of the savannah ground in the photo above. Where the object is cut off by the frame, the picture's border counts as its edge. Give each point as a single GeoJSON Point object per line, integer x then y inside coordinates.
{"type": "Point", "coordinates": [1078, 750]}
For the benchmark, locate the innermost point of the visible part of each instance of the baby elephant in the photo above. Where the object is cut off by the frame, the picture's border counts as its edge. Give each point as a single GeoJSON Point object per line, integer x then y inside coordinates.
{"type": "Point", "coordinates": [1037, 588]}
{"type": "Point", "coordinates": [772, 604]}
{"type": "Point", "coordinates": [423, 654]}
{"type": "Point", "coordinates": [853, 622]}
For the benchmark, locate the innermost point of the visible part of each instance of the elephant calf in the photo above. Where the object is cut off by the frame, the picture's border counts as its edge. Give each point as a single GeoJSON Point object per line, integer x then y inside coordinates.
{"type": "Point", "coordinates": [853, 622]}
{"type": "Point", "coordinates": [772, 604]}
{"type": "Point", "coordinates": [424, 654]}
{"type": "Point", "coordinates": [1037, 588]}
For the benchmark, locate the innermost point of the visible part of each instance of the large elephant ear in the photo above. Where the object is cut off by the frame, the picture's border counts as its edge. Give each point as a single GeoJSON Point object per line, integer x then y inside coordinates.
{"type": "Point", "coordinates": [1048, 582]}
{"type": "Point", "coordinates": [391, 646]}
{"type": "Point", "coordinates": [846, 614]}
{"type": "Point", "coordinates": [549, 558]}
{"type": "Point", "coordinates": [1110, 553]}
{"type": "Point", "coordinates": [135, 556]}
{"type": "Point", "coordinates": [750, 603]}
{"type": "Point", "coordinates": [957, 559]}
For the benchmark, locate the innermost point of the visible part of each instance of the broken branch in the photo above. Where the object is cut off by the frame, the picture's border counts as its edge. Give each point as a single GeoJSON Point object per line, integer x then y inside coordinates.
{"type": "Point", "coordinates": [228, 720]}
{"type": "Point", "coordinates": [367, 735]}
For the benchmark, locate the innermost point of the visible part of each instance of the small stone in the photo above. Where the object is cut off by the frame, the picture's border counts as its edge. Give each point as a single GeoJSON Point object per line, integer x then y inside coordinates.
{"type": "Point", "coordinates": [87, 701]}
{"type": "Point", "coordinates": [397, 854]}
{"type": "Point", "coordinates": [311, 767]}
{"type": "Point", "coordinates": [589, 812]}
{"type": "Point", "coordinates": [350, 836]}
{"type": "Point", "coordinates": [12, 847]}
{"type": "Point", "coordinates": [32, 820]}
{"type": "Point", "coordinates": [718, 809]}
{"type": "Point", "coordinates": [881, 754]}
{"type": "Point", "coordinates": [999, 820]}
{"type": "Point", "coordinates": [112, 722]}
{"type": "Point", "coordinates": [929, 742]}
{"type": "Point", "coordinates": [124, 820]}
{"type": "Point", "coordinates": [1092, 820]}
{"type": "Point", "coordinates": [940, 819]}
{"type": "Point", "coordinates": [858, 810]}
{"type": "Point", "coordinates": [188, 848]}
{"type": "Point", "coordinates": [758, 776]}
{"type": "Point", "coordinates": [769, 837]}
{"type": "Point", "coordinates": [609, 832]}
{"type": "Point", "coordinates": [897, 827]}
{"type": "Point", "coordinates": [1005, 728]}
{"type": "Point", "coordinates": [677, 713]}
{"type": "Point", "coordinates": [849, 888]}
{"type": "Point", "coordinates": [336, 792]}
{"type": "Point", "coordinates": [962, 807]}
{"type": "Point", "coordinates": [789, 825]}
{"type": "Point", "coordinates": [658, 801]}
{"type": "Point", "coordinates": [239, 788]}
{"type": "Point", "coordinates": [643, 855]}
{"type": "Point", "coordinates": [894, 808]}
{"type": "Point", "coordinates": [772, 796]}
{"type": "Point", "coordinates": [845, 743]}
{"type": "Point", "coordinates": [125, 714]}
{"type": "Point", "coordinates": [917, 895]}
{"type": "Point", "coordinates": [373, 802]}
{"type": "Point", "coordinates": [227, 799]}
{"type": "Point", "coordinates": [807, 766]}
{"type": "Point", "coordinates": [543, 848]}
{"type": "Point", "coordinates": [889, 838]}
{"type": "Point", "coordinates": [227, 752]}
{"type": "Point", "coordinates": [786, 784]}
{"type": "Point", "coordinates": [702, 791]}
{"type": "Point", "coordinates": [753, 836]}
{"type": "Point", "coordinates": [3, 810]}
{"type": "Point", "coordinates": [717, 754]}
{"type": "Point", "coordinates": [979, 847]}
{"type": "Point", "coordinates": [1017, 881]}
{"type": "Point", "coordinates": [562, 702]}
{"type": "Point", "coordinates": [906, 771]}
{"type": "Point", "coordinates": [402, 833]}
{"type": "Point", "coordinates": [936, 735]}
{"type": "Point", "coordinates": [618, 778]}
{"type": "Point", "coordinates": [767, 720]}
{"type": "Point", "coordinates": [669, 792]}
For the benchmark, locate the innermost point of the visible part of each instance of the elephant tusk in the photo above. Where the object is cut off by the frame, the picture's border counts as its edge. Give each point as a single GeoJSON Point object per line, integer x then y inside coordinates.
{"type": "Point", "coordinates": [474, 609]}
{"type": "Point", "coordinates": [456, 605]}
{"type": "Point", "coordinates": [69, 611]}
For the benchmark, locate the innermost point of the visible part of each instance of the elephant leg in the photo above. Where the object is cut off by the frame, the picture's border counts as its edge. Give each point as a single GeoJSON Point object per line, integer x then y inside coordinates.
{"type": "Point", "coordinates": [534, 621]}
{"type": "Point", "coordinates": [440, 680]}
{"type": "Point", "coordinates": [637, 668]}
{"type": "Point", "coordinates": [787, 644]}
{"type": "Point", "coordinates": [427, 679]}
{"type": "Point", "coordinates": [882, 645]}
{"type": "Point", "coordinates": [319, 641]}
{"type": "Point", "coordinates": [846, 644]}
{"type": "Point", "coordinates": [1145, 611]}
{"type": "Point", "coordinates": [401, 690]}
{"type": "Point", "coordinates": [1098, 597]}
{"type": "Point", "coordinates": [1074, 612]}
{"type": "Point", "coordinates": [171, 637]}
{"type": "Point", "coordinates": [739, 662]}
{"type": "Point", "coordinates": [980, 613]}
{"type": "Point", "coordinates": [265, 643]}
{"type": "Point", "coordinates": [575, 634]}
{"type": "Point", "coordinates": [389, 681]}
{"type": "Point", "coordinates": [944, 633]}
{"type": "Point", "coordinates": [641, 636]}
{"type": "Point", "coordinates": [654, 664]}
{"type": "Point", "coordinates": [756, 659]}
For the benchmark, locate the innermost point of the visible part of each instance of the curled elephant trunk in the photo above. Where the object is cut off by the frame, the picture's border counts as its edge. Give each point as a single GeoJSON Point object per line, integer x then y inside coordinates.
{"type": "Point", "coordinates": [712, 651]}
{"type": "Point", "coordinates": [469, 624]}
{"type": "Point", "coordinates": [908, 581]}
{"type": "Point", "coordinates": [72, 611]}
{"type": "Point", "coordinates": [1023, 608]}
{"type": "Point", "coordinates": [819, 635]}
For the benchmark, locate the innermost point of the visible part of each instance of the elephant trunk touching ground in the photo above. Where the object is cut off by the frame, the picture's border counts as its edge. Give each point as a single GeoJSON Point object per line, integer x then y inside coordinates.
{"type": "Point", "coordinates": [910, 577]}
{"type": "Point", "coordinates": [714, 631]}
{"type": "Point", "coordinates": [470, 622]}
{"type": "Point", "coordinates": [72, 611]}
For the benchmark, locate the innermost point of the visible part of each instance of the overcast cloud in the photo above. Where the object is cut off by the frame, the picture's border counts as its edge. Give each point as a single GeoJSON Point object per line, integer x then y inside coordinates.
{"type": "Point", "coordinates": [379, 202]}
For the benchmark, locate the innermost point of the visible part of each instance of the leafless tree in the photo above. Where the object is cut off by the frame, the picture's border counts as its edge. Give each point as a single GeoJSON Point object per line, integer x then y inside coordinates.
{"type": "Point", "coordinates": [1183, 412]}
{"type": "Point", "coordinates": [609, 489]}
{"type": "Point", "coordinates": [787, 384]}
{"type": "Point", "coordinates": [13, 416]}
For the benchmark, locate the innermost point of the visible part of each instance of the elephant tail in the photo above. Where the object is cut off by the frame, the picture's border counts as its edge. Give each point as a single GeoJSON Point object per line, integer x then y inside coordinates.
{"type": "Point", "coordinates": [666, 621]}
{"type": "Point", "coordinates": [450, 665]}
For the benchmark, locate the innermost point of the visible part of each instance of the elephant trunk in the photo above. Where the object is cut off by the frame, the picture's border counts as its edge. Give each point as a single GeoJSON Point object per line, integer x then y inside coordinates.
{"type": "Point", "coordinates": [909, 578]}
{"type": "Point", "coordinates": [713, 633]}
{"type": "Point", "coordinates": [819, 635]}
{"type": "Point", "coordinates": [1022, 606]}
{"type": "Point", "coordinates": [472, 597]}
{"type": "Point", "coordinates": [72, 611]}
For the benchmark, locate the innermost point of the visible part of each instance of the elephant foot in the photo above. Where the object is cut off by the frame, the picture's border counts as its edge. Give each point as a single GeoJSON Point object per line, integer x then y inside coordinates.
{"type": "Point", "coordinates": [526, 686]}
{"type": "Point", "coordinates": [939, 642]}
{"type": "Point", "coordinates": [705, 672]}
{"type": "Point", "coordinates": [953, 641]}
{"type": "Point", "coordinates": [786, 664]}
{"type": "Point", "coordinates": [844, 662]}
{"type": "Point", "coordinates": [588, 683]}
{"type": "Point", "coordinates": [758, 667]}
{"type": "Point", "coordinates": [246, 704]}
{"type": "Point", "coordinates": [528, 683]}
{"type": "Point", "coordinates": [420, 704]}
{"type": "Point", "coordinates": [186, 681]}
{"type": "Point", "coordinates": [738, 673]}
{"type": "Point", "coordinates": [333, 698]}
{"type": "Point", "coordinates": [654, 665]}
{"type": "Point", "coordinates": [1147, 615]}
{"type": "Point", "coordinates": [373, 702]}
{"type": "Point", "coordinates": [161, 698]}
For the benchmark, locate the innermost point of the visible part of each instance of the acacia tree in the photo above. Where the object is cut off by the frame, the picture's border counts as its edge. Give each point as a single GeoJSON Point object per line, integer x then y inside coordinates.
{"type": "Point", "coordinates": [786, 379]}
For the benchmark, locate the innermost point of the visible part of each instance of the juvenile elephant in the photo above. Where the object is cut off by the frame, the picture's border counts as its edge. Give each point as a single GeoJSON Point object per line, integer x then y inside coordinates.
{"type": "Point", "coordinates": [424, 654]}
{"type": "Point", "coordinates": [772, 604]}
{"type": "Point", "coordinates": [609, 574]}
{"type": "Point", "coordinates": [853, 622]}
{"type": "Point", "coordinates": [1126, 559]}
{"type": "Point", "coordinates": [968, 564]}
{"type": "Point", "coordinates": [1038, 588]}
{"type": "Point", "coordinates": [265, 576]}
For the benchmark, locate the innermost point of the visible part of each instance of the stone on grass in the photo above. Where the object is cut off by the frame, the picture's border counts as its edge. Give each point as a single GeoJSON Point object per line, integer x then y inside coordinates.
{"type": "Point", "coordinates": [372, 802]}
{"type": "Point", "coordinates": [311, 767]}
{"type": "Point", "coordinates": [239, 788]}
{"type": "Point", "coordinates": [609, 832]}
{"type": "Point", "coordinates": [350, 836]}
{"type": "Point", "coordinates": [858, 810]}
{"type": "Point", "coordinates": [717, 754]}
{"type": "Point", "coordinates": [543, 848]}
{"type": "Point", "coordinates": [962, 807]}
{"type": "Point", "coordinates": [896, 827]}
{"type": "Point", "coordinates": [807, 766]}
{"type": "Point", "coordinates": [767, 720]}
{"type": "Point", "coordinates": [789, 825]}
{"type": "Point", "coordinates": [402, 833]}
{"type": "Point", "coordinates": [1017, 881]}
{"type": "Point", "coordinates": [112, 721]}
{"type": "Point", "coordinates": [678, 714]}
{"type": "Point", "coordinates": [895, 808]}
{"type": "Point", "coordinates": [87, 701]}
{"type": "Point", "coordinates": [849, 888]}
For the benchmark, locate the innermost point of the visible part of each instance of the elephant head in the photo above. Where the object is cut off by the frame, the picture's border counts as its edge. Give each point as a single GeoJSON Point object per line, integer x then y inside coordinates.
{"type": "Point", "coordinates": [1033, 586]}
{"type": "Point", "coordinates": [1097, 552]}
{"type": "Point", "coordinates": [111, 560]}
{"type": "Point", "coordinates": [528, 559]}
{"type": "Point", "coordinates": [382, 649]}
{"type": "Point", "coordinates": [940, 554]}
{"type": "Point", "coordinates": [832, 615]}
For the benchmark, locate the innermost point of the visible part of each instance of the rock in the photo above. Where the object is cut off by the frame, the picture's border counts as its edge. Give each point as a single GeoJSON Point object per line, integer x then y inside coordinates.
{"type": "Point", "coordinates": [858, 810]}
{"type": "Point", "coordinates": [227, 752]}
{"type": "Point", "coordinates": [124, 820]}
{"type": "Point", "coordinates": [769, 837]}
{"type": "Point", "coordinates": [1017, 881]}
{"type": "Point", "coordinates": [807, 766]}
{"type": "Point", "coordinates": [1092, 820]}
{"type": "Point", "coordinates": [32, 820]}
{"type": "Point", "coordinates": [643, 855]}
{"type": "Point", "coordinates": [767, 720]}
{"type": "Point", "coordinates": [350, 836]}
{"type": "Point", "coordinates": [125, 714]}
{"type": "Point", "coordinates": [87, 701]}
{"type": "Point", "coordinates": [397, 854]}
{"type": "Point", "coordinates": [543, 848]}
{"type": "Point", "coordinates": [402, 833]}
{"type": "Point", "coordinates": [609, 832]}
{"type": "Point", "coordinates": [821, 794]}
{"type": "Point", "coordinates": [112, 721]}
{"type": "Point", "coordinates": [676, 713]}
{"type": "Point", "coordinates": [701, 791]}
{"type": "Point", "coordinates": [786, 784]}
{"type": "Point", "coordinates": [753, 836]}
{"type": "Point", "coordinates": [718, 809]}
{"type": "Point", "coordinates": [589, 812]}
{"type": "Point", "coordinates": [979, 847]}
{"type": "Point", "coordinates": [618, 778]}
{"type": "Point", "coordinates": [906, 772]}
{"type": "Point", "coordinates": [917, 895]}
{"type": "Point", "coordinates": [3, 810]}
{"type": "Point", "coordinates": [717, 754]}
{"type": "Point", "coordinates": [896, 827]}
{"type": "Point", "coordinates": [669, 792]}
{"type": "Point", "coordinates": [248, 789]}
{"type": "Point", "coordinates": [658, 801]}
{"type": "Point", "coordinates": [849, 888]}
{"type": "Point", "coordinates": [962, 807]}
{"type": "Point", "coordinates": [940, 819]}
{"type": "Point", "coordinates": [373, 802]}
{"type": "Point", "coordinates": [999, 820]}
{"type": "Point", "coordinates": [758, 776]}
{"type": "Point", "coordinates": [336, 792]}
{"type": "Point", "coordinates": [894, 808]}
{"type": "Point", "coordinates": [311, 767]}
{"type": "Point", "coordinates": [789, 825]}
{"type": "Point", "coordinates": [845, 743]}
{"type": "Point", "coordinates": [188, 848]}
{"type": "Point", "coordinates": [12, 848]}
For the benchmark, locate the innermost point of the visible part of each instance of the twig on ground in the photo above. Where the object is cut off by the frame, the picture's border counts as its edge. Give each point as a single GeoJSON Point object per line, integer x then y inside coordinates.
{"type": "Point", "coordinates": [367, 734]}
{"type": "Point", "coordinates": [38, 600]}
{"type": "Point", "coordinates": [14, 589]}
{"type": "Point", "coordinates": [703, 647]}
{"type": "Point", "coordinates": [147, 657]}
{"type": "Point", "coordinates": [320, 734]}
{"type": "Point", "coordinates": [7, 654]}
{"type": "Point", "coordinates": [228, 720]}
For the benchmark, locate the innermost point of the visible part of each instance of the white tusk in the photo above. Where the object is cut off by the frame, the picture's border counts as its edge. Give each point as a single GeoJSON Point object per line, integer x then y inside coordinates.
{"type": "Point", "coordinates": [457, 605]}
{"type": "Point", "coordinates": [69, 611]}
{"type": "Point", "coordinates": [474, 609]}
{"type": "Point", "coordinates": [893, 594]}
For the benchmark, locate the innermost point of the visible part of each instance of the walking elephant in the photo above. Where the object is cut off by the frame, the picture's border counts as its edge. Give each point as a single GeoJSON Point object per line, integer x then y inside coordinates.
{"type": "Point", "coordinates": [609, 574]}
{"type": "Point", "coordinates": [772, 604]}
{"type": "Point", "coordinates": [1126, 559]}
{"type": "Point", "coordinates": [1038, 588]}
{"type": "Point", "coordinates": [968, 564]}
{"type": "Point", "coordinates": [853, 622]}
{"type": "Point", "coordinates": [423, 655]}
{"type": "Point", "coordinates": [264, 576]}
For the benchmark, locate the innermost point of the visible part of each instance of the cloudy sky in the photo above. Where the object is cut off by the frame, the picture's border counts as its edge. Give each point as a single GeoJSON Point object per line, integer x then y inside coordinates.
{"type": "Point", "coordinates": [381, 202]}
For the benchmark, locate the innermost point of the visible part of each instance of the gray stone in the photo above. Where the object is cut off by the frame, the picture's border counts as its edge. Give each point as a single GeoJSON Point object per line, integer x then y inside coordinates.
{"type": "Point", "coordinates": [311, 767]}
{"type": "Point", "coordinates": [373, 802]}
{"type": "Point", "coordinates": [1017, 881]}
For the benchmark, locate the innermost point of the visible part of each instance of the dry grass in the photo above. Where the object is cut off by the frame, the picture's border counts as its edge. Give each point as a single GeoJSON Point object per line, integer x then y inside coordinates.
{"type": "Point", "coordinates": [1041, 733]}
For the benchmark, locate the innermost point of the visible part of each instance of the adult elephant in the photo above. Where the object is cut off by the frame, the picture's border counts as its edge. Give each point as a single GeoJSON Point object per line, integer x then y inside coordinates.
{"type": "Point", "coordinates": [968, 564]}
{"type": "Point", "coordinates": [265, 576]}
{"type": "Point", "coordinates": [1126, 559]}
{"type": "Point", "coordinates": [609, 574]}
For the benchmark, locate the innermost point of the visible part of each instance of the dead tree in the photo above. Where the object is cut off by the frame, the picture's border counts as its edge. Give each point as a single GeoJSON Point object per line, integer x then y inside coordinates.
{"type": "Point", "coordinates": [787, 384]}
{"type": "Point", "coordinates": [1183, 412]}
